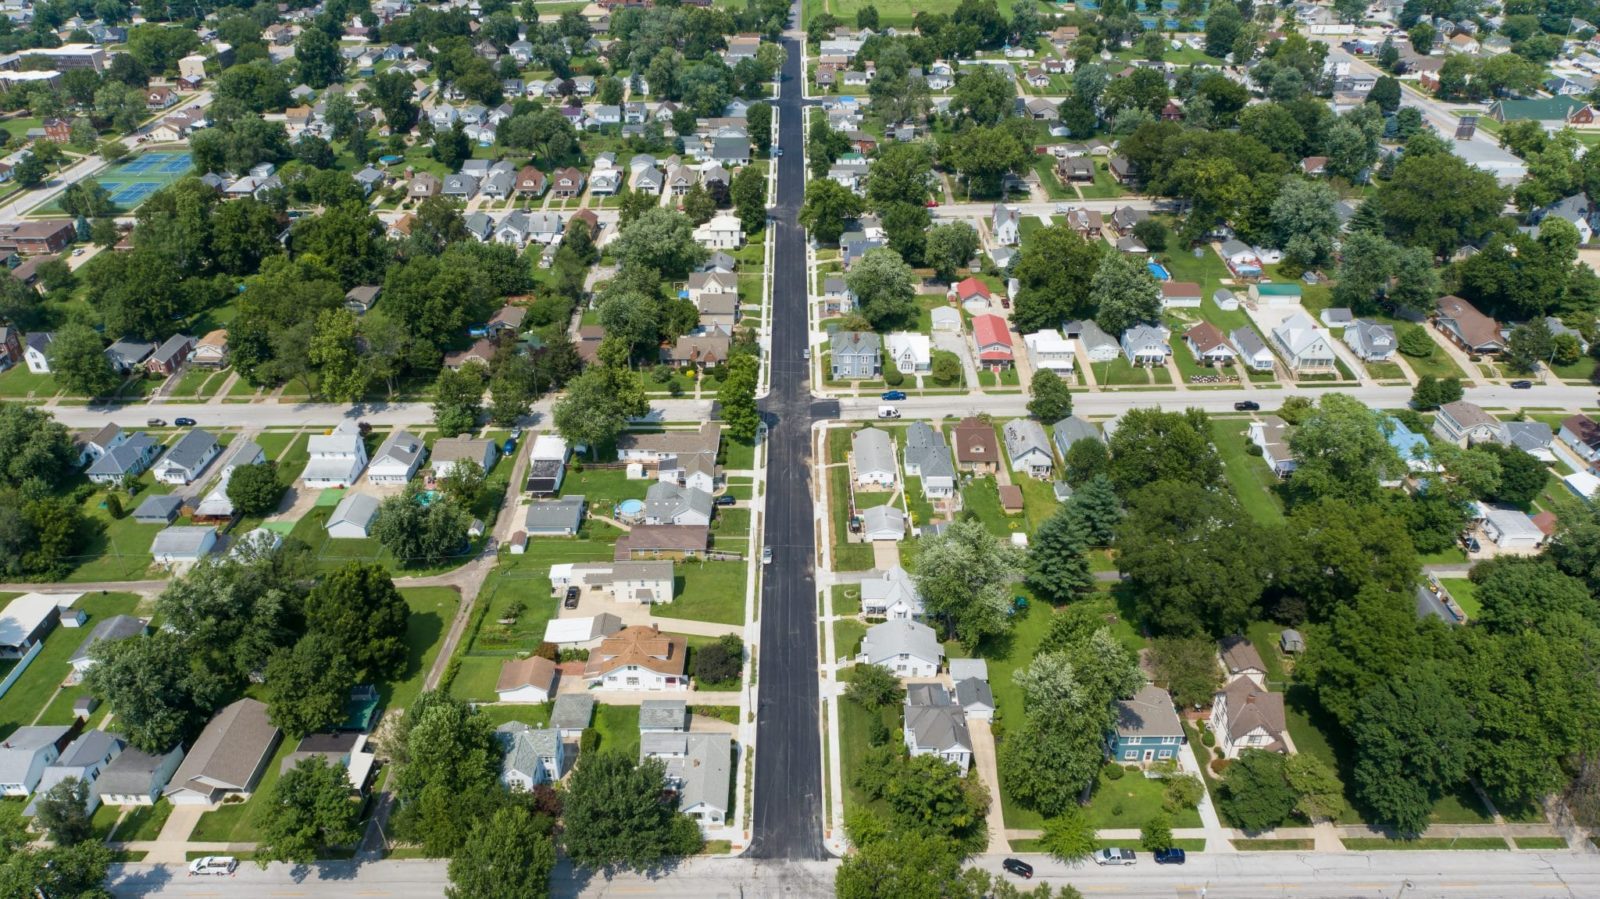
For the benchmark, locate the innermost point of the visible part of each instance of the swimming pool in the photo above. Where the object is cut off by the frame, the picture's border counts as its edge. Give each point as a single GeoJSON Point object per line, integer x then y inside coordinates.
{"type": "Point", "coordinates": [1159, 270]}
{"type": "Point", "coordinates": [630, 507]}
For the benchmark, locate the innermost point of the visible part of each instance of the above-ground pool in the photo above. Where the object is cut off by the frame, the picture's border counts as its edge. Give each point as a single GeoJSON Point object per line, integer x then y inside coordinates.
{"type": "Point", "coordinates": [1159, 270]}
{"type": "Point", "coordinates": [630, 507]}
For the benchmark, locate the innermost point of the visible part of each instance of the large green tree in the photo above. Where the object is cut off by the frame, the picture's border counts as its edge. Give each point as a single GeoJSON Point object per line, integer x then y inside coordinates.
{"type": "Point", "coordinates": [508, 855]}
{"type": "Point", "coordinates": [964, 576]}
{"type": "Point", "coordinates": [313, 809]}
{"type": "Point", "coordinates": [359, 607]}
{"type": "Point", "coordinates": [616, 815]}
{"type": "Point", "coordinates": [885, 288]}
{"type": "Point", "coordinates": [308, 685]}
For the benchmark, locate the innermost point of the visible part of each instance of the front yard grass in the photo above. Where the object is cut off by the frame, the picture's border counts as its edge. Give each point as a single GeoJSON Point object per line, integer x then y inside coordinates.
{"type": "Point", "coordinates": [1130, 801]}
{"type": "Point", "coordinates": [708, 591]}
{"type": "Point", "coordinates": [1273, 845]}
{"type": "Point", "coordinates": [1379, 844]}
{"type": "Point", "coordinates": [240, 822]}
{"type": "Point", "coordinates": [431, 611]}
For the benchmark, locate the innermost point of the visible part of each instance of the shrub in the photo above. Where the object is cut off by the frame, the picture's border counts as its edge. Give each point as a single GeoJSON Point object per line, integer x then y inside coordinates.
{"type": "Point", "coordinates": [548, 651]}
{"type": "Point", "coordinates": [1208, 738]}
{"type": "Point", "coordinates": [589, 741]}
{"type": "Point", "coordinates": [893, 377]}
{"type": "Point", "coordinates": [113, 506]}
{"type": "Point", "coordinates": [1114, 772]}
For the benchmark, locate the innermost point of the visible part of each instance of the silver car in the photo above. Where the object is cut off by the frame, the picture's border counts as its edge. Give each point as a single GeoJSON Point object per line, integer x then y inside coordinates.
{"type": "Point", "coordinates": [1115, 856]}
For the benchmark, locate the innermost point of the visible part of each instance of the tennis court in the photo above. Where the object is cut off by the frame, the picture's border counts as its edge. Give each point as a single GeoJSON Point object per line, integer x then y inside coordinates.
{"type": "Point", "coordinates": [133, 181]}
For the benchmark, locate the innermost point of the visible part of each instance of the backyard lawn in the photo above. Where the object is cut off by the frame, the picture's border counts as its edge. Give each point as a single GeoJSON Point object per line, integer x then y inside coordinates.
{"type": "Point", "coordinates": [33, 692]}
{"type": "Point", "coordinates": [431, 611]}
{"type": "Point", "coordinates": [1253, 482]}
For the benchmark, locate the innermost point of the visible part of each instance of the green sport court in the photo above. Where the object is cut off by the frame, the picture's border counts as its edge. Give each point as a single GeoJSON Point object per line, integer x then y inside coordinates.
{"type": "Point", "coordinates": [131, 182]}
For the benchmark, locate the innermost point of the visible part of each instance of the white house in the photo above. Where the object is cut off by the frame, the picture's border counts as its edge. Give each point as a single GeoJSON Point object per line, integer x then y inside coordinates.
{"type": "Point", "coordinates": [1245, 716]}
{"type": "Point", "coordinates": [337, 458]}
{"type": "Point", "coordinates": [182, 544]}
{"type": "Point", "coordinates": [883, 523]}
{"type": "Point", "coordinates": [187, 458]}
{"type": "Point", "coordinates": [910, 353]}
{"type": "Point", "coordinates": [1271, 434]}
{"type": "Point", "coordinates": [906, 648]}
{"type": "Point", "coordinates": [1004, 223]}
{"type": "Point", "coordinates": [1028, 446]}
{"type": "Point", "coordinates": [532, 679]}
{"type": "Point", "coordinates": [723, 232]}
{"type": "Point", "coordinates": [36, 352]}
{"type": "Point", "coordinates": [935, 725]}
{"type": "Point", "coordinates": [892, 595]}
{"type": "Point", "coordinates": [1048, 349]}
{"type": "Point", "coordinates": [639, 658]}
{"type": "Point", "coordinates": [397, 460]}
{"type": "Point", "coordinates": [1581, 435]}
{"type": "Point", "coordinates": [927, 456]}
{"type": "Point", "coordinates": [25, 754]}
{"type": "Point", "coordinates": [1303, 345]}
{"type": "Point", "coordinates": [873, 455]}
{"type": "Point", "coordinates": [447, 451]}
{"type": "Point", "coordinates": [216, 504]}
{"type": "Point", "coordinates": [533, 755]}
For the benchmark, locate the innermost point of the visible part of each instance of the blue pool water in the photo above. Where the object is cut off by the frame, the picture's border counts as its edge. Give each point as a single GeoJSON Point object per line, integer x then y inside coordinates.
{"type": "Point", "coordinates": [1159, 270]}
{"type": "Point", "coordinates": [630, 507]}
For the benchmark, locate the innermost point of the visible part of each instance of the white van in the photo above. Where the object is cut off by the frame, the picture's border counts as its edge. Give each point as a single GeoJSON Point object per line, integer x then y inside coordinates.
{"type": "Point", "coordinates": [888, 412]}
{"type": "Point", "coordinates": [214, 864]}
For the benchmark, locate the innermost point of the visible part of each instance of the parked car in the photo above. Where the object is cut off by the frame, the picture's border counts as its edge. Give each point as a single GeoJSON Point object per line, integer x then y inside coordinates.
{"type": "Point", "coordinates": [805, 353]}
{"type": "Point", "coordinates": [155, 423]}
{"type": "Point", "coordinates": [893, 395]}
{"type": "Point", "coordinates": [1171, 857]}
{"type": "Point", "coordinates": [777, 151]}
{"type": "Point", "coordinates": [1018, 867]}
{"type": "Point", "coordinates": [571, 602]}
{"type": "Point", "coordinates": [1246, 406]}
{"type": "Point", "coordinates": [726, 500]}
{"type": "Point", "coordinates": [1114, 855]}
{"type": "Point", "coordinates": [516, 433]}
{"type": "Point", "coordinates": [509, 447]}
{"type": "Point", "coordinates": [1521, 385]}
{"type": "Point", "coordinates": [214, 864]}
{"type": "Point", "coordinates": [184, 422]}
{"type": "Point", "coordinates": [766, 555]}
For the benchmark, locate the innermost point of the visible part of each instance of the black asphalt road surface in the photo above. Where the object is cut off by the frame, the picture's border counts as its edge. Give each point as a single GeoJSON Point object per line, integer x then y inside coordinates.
{"type": "Point", "coordinates": [788, 786]}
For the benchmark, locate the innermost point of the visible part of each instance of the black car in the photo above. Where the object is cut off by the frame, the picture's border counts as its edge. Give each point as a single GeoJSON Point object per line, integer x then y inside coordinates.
{"type": "Point", "coordinates": [726, 500]}
{"type": "Point", "coordinates": [1018, 867]}
{"type": "Point", "coordinates": [571, 602]}
{"type": "Point", "coordinates": [184, 422]}
{"type": "Point", "coordinates": [1522, 385]}
{"type": "Point", "coordinates": [1170, 857]}
{"type": "Point", "coordinates": [1246, 406]}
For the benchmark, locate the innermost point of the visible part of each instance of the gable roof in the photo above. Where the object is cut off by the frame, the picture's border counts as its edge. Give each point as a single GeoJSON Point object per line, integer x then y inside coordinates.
{"type": "Point", "coordinates": [1149, 713]}
{"type": "Point", "coordinates": [975, 441]}
{"type": "Point", "coordinates": [1239, 655]}
{"type": "Point", "coordinates": [229, 751]}
{"type": "Point", "coordinates": [645, 647]}
{"type": "Point", "coordinates": [533, 671]}
{"type": "Point", "coordinates": [190, 450]}
{"type": "Point", "coordinates": [883, 642]}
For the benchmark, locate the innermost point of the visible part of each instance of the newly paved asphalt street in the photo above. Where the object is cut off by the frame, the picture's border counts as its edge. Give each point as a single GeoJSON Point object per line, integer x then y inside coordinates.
{"type": "Point", "coordinates": [788, 785]}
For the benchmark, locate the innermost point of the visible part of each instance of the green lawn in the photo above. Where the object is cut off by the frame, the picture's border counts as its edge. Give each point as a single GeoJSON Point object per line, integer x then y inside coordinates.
{"type": "Point", "coordinates": [1437, 363]}
{"type": "Point", "coordinates": [1253, 481]}
{"type": "Point", "coordinates": [144, 822]}
{"type": "Point", "coordinates": [847, 634]}
{"type": "Point", "coordinates": [1465, 593]}
{"type": "Point", "coordinates": [1273, 845]}
{"type": "Point", "coordinates": [618, 726]}
{"type": "Point", "coordinates": [240, 822]}
{"type": "Point", "coordinates": [1104, 187]}
{"type": "Point", "coordinates": [34, 690]}
{"type": "Point", "coordinates": [1378, 844]}
{"type": "Point", "coordinates": [432, 608]}
{"type": "Point", "coordinates": [19, 383]}
{"type": "Point", "coordinates": [846, 556]}
{"type": "Point", "coordinates": [855, 724]}
{"type": "Point", "coordinates": [1129, 802]}
{"type": "Point", "coordinates": [476, 678]}
{"type": "Point", "coordinates": [708, 591]}
{"type": "Point", "coordinates": [846, 599]}
{"type": "Point", "coordinates": [1539, 842]}
{"type": "Point", "coordinates": [603, 488]}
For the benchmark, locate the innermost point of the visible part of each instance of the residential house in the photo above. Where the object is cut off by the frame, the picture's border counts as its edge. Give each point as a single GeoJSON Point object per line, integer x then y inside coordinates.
{"type": "Point", "coordinates": [533, 755]}
{"type": "Point", "coordinates": [1098, 346]}
{"type": "Point", "coordinates": [1582, 435]}
{"type": "Point", "coordinates": [127, 355]}
{"type": "Point", "coordinates": [972, 692]}
{"type": "Point", "coordinates": [1468, 328]}
{"type": "Point", "coordinates": [910, 353]}
{"type": "Point", "coordinates": [171, 355]}
{"type": "Point", "coordinates": [228, 757]}
{"type": "Point", "coordinates": [337, 458]}
{"type": "Point", "coordinates": [668, 503]}
{"type": "Point", "coordinates": [348, 750]}
{"type": "Point", "coordinates": [1147, 728]}
{"type": "Point", "coordinates": [28, 618]}
{"type": "Point", "coordinates": [892, 595]}
{"type": "Point", "coordinates": [397, 459]}
{"type": "Point", "coordinates": [700, 351]}
{"type": "Point", "coordinates": [547, 465]}
{"type": "Point", "coordinates": [36, 351]}
{"type": "Point", "coordinates": [1072, 429]}
{"type": "Point", "coordinates": [583, 633]}
{"type": "Point", "coordinates": [447, 451]}
{"type": "Point", "coordinates": [135, 777]}
{"type": "Point", "coordinates": [699, 768]}
{"type": "Point", "coordinates": [566, 183]}
{"type": "Point", "coordinates": [872, 459]}
{"type": "Point", "coordinates": [1464, 424]}
{"type": "Point", "coordinates": [1146, 344]}
{"type": "Point", "coordinates": [353, 517]}
{"type": "Point", "coordinates": [1303, 345]}
{"type": "Point", "coordinates": [530, 182]}
{"type": "Point", "coordinates": [1253, 354]}
{"type": "Point", "coordinates": [1208, 346]}
{"type": "Point", "coordinates": [992, 338]}
{"type": "Point", "coordinates": [639, 658]}
{"type": "Point", "coordinates": [83, 759]}
{"type": "Point", "coordinates": [1532, 437]}
{"type": "Point", "coordinates": [723, 232]}
{"type": "Point", "coordinates": [1370, 340]}
{"type": "Point", "coordinates": [640, 583]}
{"type": "Point", "coordinates": [1180, 295]}
{"type": "Point", "coordinates": [1004, 224]}
{"type": "Point", "coordinates": [424, 185]}
{"type": "Point", "coordinates": [1271, 434]}
{"type": "Point", "coordinates": [969, 289]}
{"type": "Point", "coordinates": [1412, 448]}
{"type": "Point", "coordinates": [25, 753]}
{"type": "Point", "coordinates": [855, 355]}
{"type": "Point", "coordinates": [904, 647]}
{"type": "Point", "coordinates": [936, 726]}
{"type": "Point", "coordinates": [187, 458]}
{"type": "Point", "coordinates": [1240, 659]}
{"type": "Point", "coordinates": [1047, 349]}
{"type": "Point", "coordinates": [1244, 716]}
{"type": "Point", "coordinates": [125, 457]}
{"type": "Point", "coordinates": [532, 679]}
{"type": "Point", "coordinates": [663, 541]}
{"type": "Point", "coordinates": [1029, 447]}
{"type": "Point", "coordinates": [108, 630]}
{"type": "Point", "coordinates": [99, 443]}
{"type": "Point", "coordinates": [928, 457]}
{"type": "Point", "coordinates": [977, 448]}
{"type": "Point", "coordinates": [212, 350]}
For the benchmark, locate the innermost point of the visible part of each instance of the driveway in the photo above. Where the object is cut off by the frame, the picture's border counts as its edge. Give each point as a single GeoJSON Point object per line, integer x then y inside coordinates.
{"type": "Point", "coordinates": [985, 759]}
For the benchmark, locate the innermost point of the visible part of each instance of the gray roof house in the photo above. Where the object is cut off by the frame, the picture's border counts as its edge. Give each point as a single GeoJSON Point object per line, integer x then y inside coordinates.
{"type": "Point", "coordinates": [126, 354]}
{"type": "Point", "coordinates": [663, 716]}
{"type": "Point", "coordinates": [117, 627]}
{"type": "Point", "coordinates": [892, 595]}
{"type": "Point", "coordinates": [136, 777]}
{"type": "Point", "coordinates": [927, 456]}
{"type": "Point", "coordinates": [1253, 352]}
{"type": "Point", "coordinates": [187, 458]}
{"type": "Point", "coordinates": [460, 185]}
{"type": "Point", "coordinates": [1370, 340]}
{"type": "Point", "coordinates": [935, 725]}
{"type": "Point", "coordinates": [873, 458]}
{"type": "Point", "coordinates": [554, 517]}
{"type": "Point", "coordinates": [856, 354]}
{"type": "Point", "coordinates": [1464, 423]}
{"type": "Point", "coordinates": [1028, 446]}
{"type": "Point", "coordinates": [132, 456]}
{"type": "Point", "coordinates": [158, 509]}
{"type": "Point", "coordinates": [1097, 344]}
{"type": "Point", "coordinates": [1146, 345]}
{"type": "Point", "coordinates": [1532, 437]}
{"type": "Point", "coordinates": [572, 713]}
{"type": "Point", "coordinates": [1070, 430]}
{"type": "Point", "coordinates": [883, 523]}
{"type": "Point", "coordinates": [667, 503]}
{"type": "Point", "coordinates": [906, 648]}
{"type": "Point", "coordinates": [183, 543]}
{"type": "Point", "coordinates": [228, 757]}
{"type": "Point", "coordinates": [703, 777]}
{"type": "Point", "coordinates": [84, 758]}
{"type": "Point", "coordinates": [533, 755]}
{"type": "Point", "coordinates": [352, 519]}
{"type": "Point", "coordinates": [24, 755]}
